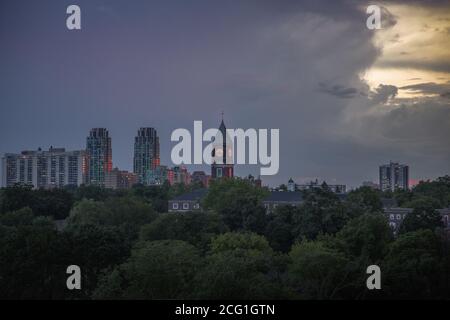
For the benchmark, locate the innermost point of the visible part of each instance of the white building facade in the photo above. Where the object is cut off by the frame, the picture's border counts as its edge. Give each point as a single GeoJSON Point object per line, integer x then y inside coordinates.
{"type": "Point", "coordinates": [55, 168]}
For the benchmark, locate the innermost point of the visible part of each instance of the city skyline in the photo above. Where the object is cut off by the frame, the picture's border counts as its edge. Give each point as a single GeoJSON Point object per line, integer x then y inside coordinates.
{"type": "Point", "coordinates": [346, 99]}
{"type": "Point", "coordinates": [97, 165]}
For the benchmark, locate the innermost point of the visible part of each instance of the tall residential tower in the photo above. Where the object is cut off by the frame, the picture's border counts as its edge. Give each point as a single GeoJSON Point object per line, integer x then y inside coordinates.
{"type": "Point", "coordinates": [99, 153]}
{"type": "Point", "coordinates": [146, 153]}
{"type": "Point", "coordinates": [394, 176]}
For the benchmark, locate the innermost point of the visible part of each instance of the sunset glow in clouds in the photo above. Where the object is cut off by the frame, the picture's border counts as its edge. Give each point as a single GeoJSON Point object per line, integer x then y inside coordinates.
{"type": "Point", "coordinates": [415, 50]}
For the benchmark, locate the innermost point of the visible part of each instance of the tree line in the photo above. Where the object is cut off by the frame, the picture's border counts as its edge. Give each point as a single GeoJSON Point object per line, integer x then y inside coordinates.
{"type": "Point", "coordinates": [129, 247]}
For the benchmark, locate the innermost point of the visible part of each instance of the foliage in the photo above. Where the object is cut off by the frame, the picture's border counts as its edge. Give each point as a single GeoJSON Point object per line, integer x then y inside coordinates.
{"type": "Point", "coordinates": [55, 202]}
{"type": "Point", "coordinates": [241, 266]}
{"type": "Point", "coordinates": [365, 199]}
{"type": "Point", "coordinates": [321, 213]}
{"type": "Point", "coordinates": [127, 213]}
{"type": "Point", "coordinates": [413, 267]}
{"type": "Point", "coordinates": [366, 238]}
{"type": "Point", "coordinates": [239, 202]}
{"type": "Point", "coordinates": [317, 271]}
{"type": "Point", "coordinates": [222, 191]}
{"type": "Point", "coordinates": [156, 270]}
{"type": "Point", "coordinates": [129, 247]}
{"type": "Point", "coordinates": [424, 216]}
{"type": "Point", "coordinates": [280, 228]}
{"type": "Point", "coordinates": [438, 190]}
{"type": "Point", "coordinates": [196, 228]}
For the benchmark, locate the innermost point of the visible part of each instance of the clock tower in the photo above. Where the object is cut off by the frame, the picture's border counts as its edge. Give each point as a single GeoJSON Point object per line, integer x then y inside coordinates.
{"type": "Point", "coordinates": [222, 154]}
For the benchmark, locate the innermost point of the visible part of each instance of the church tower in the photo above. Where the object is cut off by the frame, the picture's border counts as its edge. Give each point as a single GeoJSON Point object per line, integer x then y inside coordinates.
{"type": "Point", "coordinates": [222, 154]}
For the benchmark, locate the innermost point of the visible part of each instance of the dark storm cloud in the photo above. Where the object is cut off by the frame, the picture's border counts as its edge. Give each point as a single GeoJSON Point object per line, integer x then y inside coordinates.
{"type": "Point", "coordinates": [388, 20]}
{"type": "Point", "coordinates": [415, 126]}
{"type": "Point", "coordinates": [338, 90]}
{"type": "Point", "coordinates": [383, 93]}
{"type": "Point", "coordinates": [428, 88]}
{"type": "Point", "coordinates": [168, 63]}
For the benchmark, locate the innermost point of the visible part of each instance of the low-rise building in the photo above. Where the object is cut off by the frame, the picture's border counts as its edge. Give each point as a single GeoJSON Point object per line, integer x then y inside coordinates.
{"type": "Point", "coordinates": [282, 198]}
{"type": "Point", "coordinates": [396, 216]}
{"type": "Point", "coordinates": [336, 188]}
{"type": "Point", "coordinates": [119, 179]}
{"type": "Point", "coordinates": [190, 201]}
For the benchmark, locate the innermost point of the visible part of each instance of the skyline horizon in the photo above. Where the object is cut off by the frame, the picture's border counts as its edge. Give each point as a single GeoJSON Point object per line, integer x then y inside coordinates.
{"type": "Point", "coordinates": [204, 167]}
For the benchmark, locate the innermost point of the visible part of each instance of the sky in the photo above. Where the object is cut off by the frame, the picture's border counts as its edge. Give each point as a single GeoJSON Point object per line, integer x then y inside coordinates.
{"type": "Point", "coordinates": [345, 98]}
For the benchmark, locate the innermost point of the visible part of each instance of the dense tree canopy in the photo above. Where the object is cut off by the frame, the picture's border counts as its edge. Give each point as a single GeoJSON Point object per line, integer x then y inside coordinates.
{"type": "Point", "coordinates": [424, 216]}
{"type": "Point", "coordinates": [129, 247]}
{"type": "Point", "coordinates": [156, 270]}
{"type": "Point", "coordinates": [197, 228]}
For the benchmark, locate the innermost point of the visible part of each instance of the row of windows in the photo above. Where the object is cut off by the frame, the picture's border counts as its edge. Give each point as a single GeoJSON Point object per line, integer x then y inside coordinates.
{"type": "Point", "coordinates": [175, 206]}
{"type": "Point", "coordinates": [395, 217]}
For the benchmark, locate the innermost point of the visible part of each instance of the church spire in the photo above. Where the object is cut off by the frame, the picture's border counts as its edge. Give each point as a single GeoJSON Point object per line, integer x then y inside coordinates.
{"type": "Point", "coordinates": [222, 127]}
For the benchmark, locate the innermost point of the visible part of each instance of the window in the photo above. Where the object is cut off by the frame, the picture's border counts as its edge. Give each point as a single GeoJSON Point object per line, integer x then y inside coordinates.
{"type": "Point", "coordinates": [175, 206]}
{"type": "Point", "coordinates": [185, 206]}
{"type": "Point", "coordinates": [196, 206]}
{"type": "Point", "coordinates": [391, 217]}
{"type": "Point", "coordinates": [219, 172]}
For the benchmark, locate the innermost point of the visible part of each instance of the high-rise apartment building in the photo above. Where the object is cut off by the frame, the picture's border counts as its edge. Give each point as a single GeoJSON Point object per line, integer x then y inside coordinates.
{"type": "Point", "coordinates": [146, 153]}
{"type": "Point", "coordinates": [54, 168]}
{"type": "Point", "coordinates": [394, 176]}
{"type": "Point", "coordinates": [99, 153]}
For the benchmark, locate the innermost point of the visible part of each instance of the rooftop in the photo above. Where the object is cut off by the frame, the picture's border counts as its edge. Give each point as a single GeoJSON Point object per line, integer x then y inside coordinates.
{"type": "Point", "coordinates": [195, 195]}
{"type": "Point", "coordinates": [284, 196]}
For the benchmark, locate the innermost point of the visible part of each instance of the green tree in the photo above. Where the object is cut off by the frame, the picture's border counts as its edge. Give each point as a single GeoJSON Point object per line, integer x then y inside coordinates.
{"type": "Point", "coordinates": [364, 200]}
{"type": "Point", "coordinates": [127, 213]}
{"type": "Point", "coordinates": [280, 228]}
{"type": "Point", "coordinates": [197, 228]}
{"type": "Point", "coordinates": [438, 190]}
{"type": "Point", "coordinates": [413, 268]}
{"type": "Point", "coordinates": [222, 191]}
{"type": "Point", "coordinates": [238, 240]}
{"type": "Point", "coordinates": [241, 266]}
{"type": "Point", "coordinates": [365, 238]}
{"type": "Point", "coordinates": [16, 197]}
{"type": "Point", "coordinates": [91, 192]}
{"type": "Point", "coordinates": [93, 248]}
{"type": "Point", "coordinates": [403, 197]}
{"type": "Point", "coordinates": [19, 217]}
{"type": "Point", "coordinates": [30, 267]}
{"type": "Point", "coordinates": [423, 216]}
{"type": "Point", "coordinates": [156, 270]}
{"type": "Point", "coordinates": [321, 213]}
{"type": "Point", "coordinates": [55, 202]}
{"type": "Point", "coordinates": [317, 271]}
{"type": "Point", "coordinates": [156, 196]}
{"type": "Point", "coordinates": [239, 202]}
